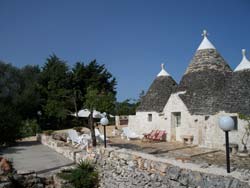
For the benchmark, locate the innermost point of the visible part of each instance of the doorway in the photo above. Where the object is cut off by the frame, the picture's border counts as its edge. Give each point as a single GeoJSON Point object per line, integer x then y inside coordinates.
{"type": "Point", "coordinates": [175, 124]}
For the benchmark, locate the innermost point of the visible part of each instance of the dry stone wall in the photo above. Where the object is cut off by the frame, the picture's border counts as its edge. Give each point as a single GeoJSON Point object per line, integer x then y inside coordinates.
{"type": "Point", "coordinates": [120, 168]}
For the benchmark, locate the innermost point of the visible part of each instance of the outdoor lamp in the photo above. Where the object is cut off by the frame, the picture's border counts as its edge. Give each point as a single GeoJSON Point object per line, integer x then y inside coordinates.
{"type": "Point", "coordinates": [226, 123]}
{"type": "Point", "coordinates": [104, 121]}
{"type": "Point", "coordinates": [39, 114]}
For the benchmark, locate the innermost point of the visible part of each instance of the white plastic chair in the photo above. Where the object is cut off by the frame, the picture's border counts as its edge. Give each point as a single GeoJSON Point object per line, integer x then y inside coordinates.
{"type": "Point", "coordinates": [99, 136]}
{"type": "Point", "coordinates": [129, 134]}
{"type": "Point", "coordinates": [81, 140]}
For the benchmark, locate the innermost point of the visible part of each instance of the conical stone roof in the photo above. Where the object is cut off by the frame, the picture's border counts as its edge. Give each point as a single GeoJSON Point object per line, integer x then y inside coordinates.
{"type": "Point", "coordinates": [158, 93]}
{"type": "Point", "coordinates": [237, 94]}
{"type": "Point", "coordinates": [205, 80]}
{"type": "Point", "coordinates": [207, 58]}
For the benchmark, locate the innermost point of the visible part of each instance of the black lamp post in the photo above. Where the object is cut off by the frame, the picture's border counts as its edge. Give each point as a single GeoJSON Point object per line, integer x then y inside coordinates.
{"type": "Point", "coordinates": [226, 123]}
{"type": "Point", "coordinates": [104, 122]}
{"type": "Point", "coordinates": [39, 114]}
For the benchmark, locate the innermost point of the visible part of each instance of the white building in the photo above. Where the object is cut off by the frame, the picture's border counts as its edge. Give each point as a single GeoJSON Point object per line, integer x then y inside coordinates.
{"type": "Point", "coordinates": [208, 89]}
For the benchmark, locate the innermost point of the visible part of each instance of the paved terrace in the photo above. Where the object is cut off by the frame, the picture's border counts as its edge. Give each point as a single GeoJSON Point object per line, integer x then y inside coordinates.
{"type": "Point", "coordinates": [179, 151]}
{"type": "Point", "coordinates": [32, 156]}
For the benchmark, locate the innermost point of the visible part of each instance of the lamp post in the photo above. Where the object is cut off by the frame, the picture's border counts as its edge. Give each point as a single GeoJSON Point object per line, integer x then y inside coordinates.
{"type": "Point", "coordinates": [39, 114]}
{"type": "Point", "coordinates": [104, 122]}
{"type": "Point", "coordinates": [226, 123]}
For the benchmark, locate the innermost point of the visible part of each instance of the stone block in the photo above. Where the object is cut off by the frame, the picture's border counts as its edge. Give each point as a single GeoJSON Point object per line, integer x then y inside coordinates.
{"type": "Point", "coordinates": [173, 172]}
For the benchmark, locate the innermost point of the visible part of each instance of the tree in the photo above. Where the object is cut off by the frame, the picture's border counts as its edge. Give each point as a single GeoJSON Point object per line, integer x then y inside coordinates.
{"type": "Point", "coordinates": [98, 77]}
{"type": "Point", "coordinates": [55, 90]}
{"type": "Point", "coordinates": [246, 135]}
{"type": "Point", "coordinates": [78, 85]}
{"type": "Point", "coordinates": [84, 76]}
{"type": "Point", "coordinates": [98, 100]}
{"type": "Point", "coordinates": [127, 107]}
{"type": "Point", "coordinates": [29, 98]}
{"type": "Point", "coordinates": [10, 120]}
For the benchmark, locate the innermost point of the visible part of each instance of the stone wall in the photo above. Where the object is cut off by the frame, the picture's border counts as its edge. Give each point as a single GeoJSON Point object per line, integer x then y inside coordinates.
{"type": "Point", "coordinates": [126, 168]}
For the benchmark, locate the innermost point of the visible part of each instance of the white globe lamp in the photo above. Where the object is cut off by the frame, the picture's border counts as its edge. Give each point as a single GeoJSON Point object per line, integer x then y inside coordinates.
{"type": "Point", "coordinates": [104, 122]}
{"type": "Point", "coordinates": [226, 123]}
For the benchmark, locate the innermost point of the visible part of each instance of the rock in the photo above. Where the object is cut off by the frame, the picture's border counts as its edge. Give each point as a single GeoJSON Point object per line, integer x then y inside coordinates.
{"type": "Point", "coordinates": [131, 164]}
{"type": "Point", "coordinates": [173, 172]}
{"type": "Point", "coordinates": [6, 185]}
{"type": "Point", "coordinates": [184, 177]}
{"type": "Point", "coordinates": [5, 166]}
{"type": "Point", "coordinates": [195, 179]}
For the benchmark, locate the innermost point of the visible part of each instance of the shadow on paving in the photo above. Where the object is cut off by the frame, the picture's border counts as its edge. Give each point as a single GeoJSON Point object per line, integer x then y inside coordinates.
{"type": "Point", "coordinates": [54, 168]}
{"type": "Point", "coordinates": [17, 147]}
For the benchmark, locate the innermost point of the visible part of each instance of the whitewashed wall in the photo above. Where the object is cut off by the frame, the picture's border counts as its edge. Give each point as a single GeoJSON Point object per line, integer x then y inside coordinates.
{"type": "Point", "coordinates": [140, 124]}
{"type": "Point", "coordinates": [206, 131]}
{"type": "Point", "coordinates": [214, 137]}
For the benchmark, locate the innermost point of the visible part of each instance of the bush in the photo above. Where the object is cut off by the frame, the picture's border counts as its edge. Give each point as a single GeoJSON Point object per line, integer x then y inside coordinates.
{"type": "Point", "coordinates": [48, 132]}
{"type": "Point", "coordinates": [29, 128]}
{"type": "Point", "coordinates": [10, 123]}
{"type": "Point", "coordinates": [78, 129]}
{"type": "Point", "coordinates": [83, 176]}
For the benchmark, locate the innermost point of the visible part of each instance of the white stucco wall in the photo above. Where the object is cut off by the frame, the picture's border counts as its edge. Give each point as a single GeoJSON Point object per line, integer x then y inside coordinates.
{"type": "Point", "coordinates": [205, 129]}
{"type": "Point", "coordinates": [187, 127]}
{"type": "Point", "coordinates": [140, 124]}
{"type": "Point", "coordinates": [214, 137]}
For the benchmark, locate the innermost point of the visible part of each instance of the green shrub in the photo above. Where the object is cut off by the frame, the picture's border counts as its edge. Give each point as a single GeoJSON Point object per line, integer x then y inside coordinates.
{"type": "Point", "coordinates": [10, 123]}
{"type": "Point", "coordinates": [29, 128]}
{"type": "Point", "coordinates": [48, 132]}
{"type": "Point", "coordinates": [83, 176]}
{"type": "Point", "coordinates": [78, 129]}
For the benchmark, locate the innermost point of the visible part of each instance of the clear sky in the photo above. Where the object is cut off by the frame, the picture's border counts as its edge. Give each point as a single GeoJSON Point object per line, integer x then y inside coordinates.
{"type": "Point", "coordinates": [131, 37]}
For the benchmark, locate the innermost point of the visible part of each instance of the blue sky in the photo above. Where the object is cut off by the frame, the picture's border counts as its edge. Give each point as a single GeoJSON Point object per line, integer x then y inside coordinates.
{"type": "Point", "coordinates": [131, 37]}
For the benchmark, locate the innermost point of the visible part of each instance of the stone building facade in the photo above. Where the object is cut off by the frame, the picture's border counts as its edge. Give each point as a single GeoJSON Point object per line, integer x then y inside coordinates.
{"type": "Point", "coordinates": [208, 89]}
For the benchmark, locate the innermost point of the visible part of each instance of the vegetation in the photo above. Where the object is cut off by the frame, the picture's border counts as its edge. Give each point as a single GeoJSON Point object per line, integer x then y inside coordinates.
{"type": "Point", "coordinates": [55, 91]}
{"type": "Point", "coordinates": [246, 135]}
{"type": "Point", "coordinates": [83, 176]}
{"type": "Point", "coordinates": [101, 100]}
{"type": "Point", "coordinates": [78, 129]}
{"type": "Point", "coordinates": [29, 128]}
{"type": "Point", "coordinates": [48, 132]}
{"type": "Point", "coordinates": [127, 107]}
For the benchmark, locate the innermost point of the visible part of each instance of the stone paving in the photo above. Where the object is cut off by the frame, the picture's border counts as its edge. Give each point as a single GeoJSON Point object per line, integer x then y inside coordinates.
{"type": "Point", "coordinates": [33, 156]}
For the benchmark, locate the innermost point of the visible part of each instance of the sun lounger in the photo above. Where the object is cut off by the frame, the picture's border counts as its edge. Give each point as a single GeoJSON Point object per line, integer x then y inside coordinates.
{"type": "Point", "coordinates": [161, 136]}
{"type": "Point", "coordinates": [149, 135]}
{"type": "Point", "coordinates": [77, 140]}
{"type": "Point", "coordinates": [129, 134]}
{"type": "Point", "coordinates": [155, 135]}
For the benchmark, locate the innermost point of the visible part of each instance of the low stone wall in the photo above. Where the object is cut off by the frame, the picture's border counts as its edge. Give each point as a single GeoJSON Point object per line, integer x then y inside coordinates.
{"type": "Point", "coordinates": [123, 168]}
{"type": "Point", "coordinates": [126, 168]}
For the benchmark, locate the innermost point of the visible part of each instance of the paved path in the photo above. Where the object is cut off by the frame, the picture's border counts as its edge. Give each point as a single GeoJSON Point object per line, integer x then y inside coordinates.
{"type": "Point", "coordinates": [32, 156]}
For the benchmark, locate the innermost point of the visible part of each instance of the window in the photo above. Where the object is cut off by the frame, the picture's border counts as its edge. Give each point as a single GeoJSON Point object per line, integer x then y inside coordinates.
{"type": "Point", "coordinates": [235, 122]}
{"type": "Point", "coordinates": [150, 117]}
{"type": "Point", "coordinates": [177, 118]}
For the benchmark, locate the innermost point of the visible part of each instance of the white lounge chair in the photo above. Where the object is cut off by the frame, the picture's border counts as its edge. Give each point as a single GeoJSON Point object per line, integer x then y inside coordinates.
{"type": "Point", "coordinates": [77, 140]}
{"type": "Point", "coordinates": [99, 136]}
{"type": "Point", "coordinates": [130, 134]}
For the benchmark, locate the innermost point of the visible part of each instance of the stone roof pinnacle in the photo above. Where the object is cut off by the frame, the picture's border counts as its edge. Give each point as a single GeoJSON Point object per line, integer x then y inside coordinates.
{"type": "Point", "coordinates": [244, 64]}
{"type": "Point", "coordinates": [205, 44]}
{"type": "Point", "coordinates": [163, 72]}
